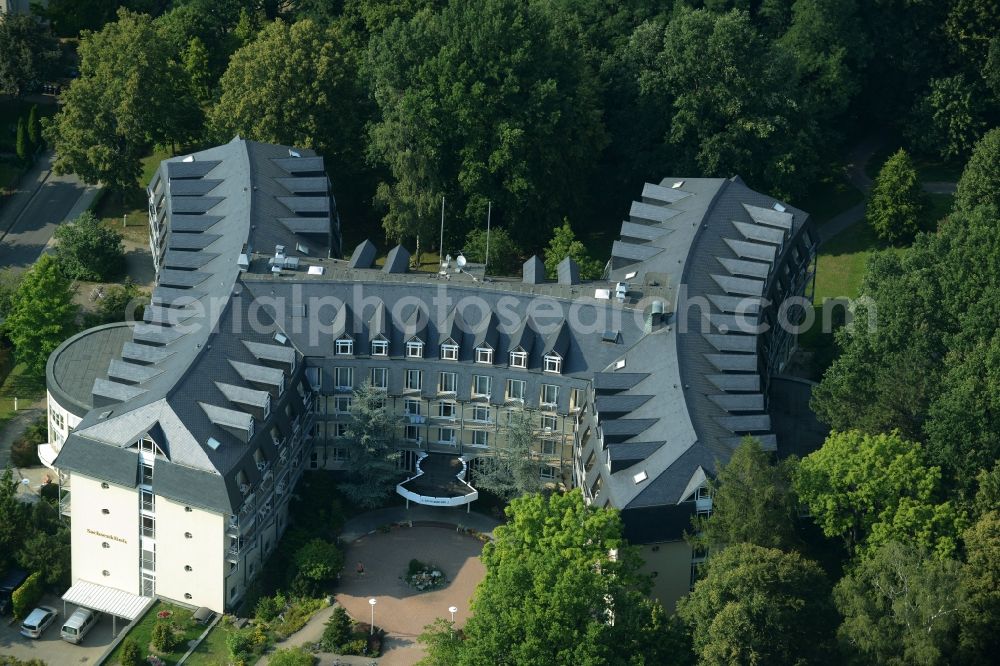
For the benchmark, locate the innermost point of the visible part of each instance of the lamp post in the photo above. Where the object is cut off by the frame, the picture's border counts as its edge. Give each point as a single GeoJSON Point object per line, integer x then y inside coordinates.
{"type": "Point", "coordinates": [453, 610]}
{"type": "Point", "coordinates": [371, 602]}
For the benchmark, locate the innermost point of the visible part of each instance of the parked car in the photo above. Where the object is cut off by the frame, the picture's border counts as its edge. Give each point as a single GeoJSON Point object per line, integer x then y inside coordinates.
{"type": "Point", "coordinates": [12, 580]}
{"type": "Point", "coordinates": [78, 624]}
{"type": "Point", "coordinates": [38, 621]}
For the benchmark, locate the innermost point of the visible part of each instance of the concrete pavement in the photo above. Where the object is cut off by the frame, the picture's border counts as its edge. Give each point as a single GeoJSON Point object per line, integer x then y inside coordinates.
{"type": "Point", "coordinates": [359, 526]}
{"type": "Point", "coordinates": [29, 218]}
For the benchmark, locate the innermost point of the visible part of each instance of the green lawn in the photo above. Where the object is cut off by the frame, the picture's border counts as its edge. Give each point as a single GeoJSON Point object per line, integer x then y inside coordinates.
{"type": "Point", "coordinates": [142, 632]}
{"type": "Point", "coordinates": [132, 204]}
{"type": "Point", "coordinates": [213, 650]}
{"type": "Point", "coordinates": [841, 262]}
{"type": "Point", "coordinates": [828, 198]}
{"type": "Point", "coordinates": [25, 387]}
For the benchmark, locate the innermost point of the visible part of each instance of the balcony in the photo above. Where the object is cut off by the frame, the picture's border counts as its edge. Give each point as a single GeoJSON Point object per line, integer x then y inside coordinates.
{"type": "Point", "coordinates": [234, 551]}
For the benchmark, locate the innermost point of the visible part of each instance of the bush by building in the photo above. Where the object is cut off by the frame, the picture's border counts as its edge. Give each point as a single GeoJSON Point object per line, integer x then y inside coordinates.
{"type": "Point", "coordinates": [130, 654]}
{"type": "Point", "coordinates": [25, 597]}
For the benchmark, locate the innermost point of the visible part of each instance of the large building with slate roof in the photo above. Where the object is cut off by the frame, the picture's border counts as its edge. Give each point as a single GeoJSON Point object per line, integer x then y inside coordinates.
{"type": "Point", "coordinates": [178, 439]}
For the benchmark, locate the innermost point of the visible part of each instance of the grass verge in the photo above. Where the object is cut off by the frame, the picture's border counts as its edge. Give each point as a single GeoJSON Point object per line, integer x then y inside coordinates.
{"type": "Point", "coordinates": [213, 650]}
{"type": "Point", "coordinates": [131, 205]}
{"type": "Point", "coordinates": [21, 384]}
{"type": "Point", "coordinates": [142, 633]}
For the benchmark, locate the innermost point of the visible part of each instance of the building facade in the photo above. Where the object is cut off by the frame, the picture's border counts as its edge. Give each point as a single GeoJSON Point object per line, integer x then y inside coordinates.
{"type": "Point", "coordinates": [178, 439]}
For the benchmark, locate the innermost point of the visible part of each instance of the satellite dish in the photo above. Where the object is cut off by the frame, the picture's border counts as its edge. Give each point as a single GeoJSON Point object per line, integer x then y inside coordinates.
{"type": "Point", "coordinates": [460, 261]}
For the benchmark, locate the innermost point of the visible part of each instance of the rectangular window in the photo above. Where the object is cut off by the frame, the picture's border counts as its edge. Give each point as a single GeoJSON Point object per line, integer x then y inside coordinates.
{"type": "Point", "coordinates": [342, 404]}
{"type": "Point", "coordinates": [414, 349]}
{"type": "Point", "coordinates": [147, 559]}
{"type": "Point", "coordinates": [380, 347]}
{"type": "Point", "coordinates": [449, 352]}
{"type": "Point", "coordinates": [550, 395]}
{"type": "Point", "coordinates": [575, 399]}
{"type": "Point", "coordinates": [591, 459]}
{"type": "Point", "coordinates": [380, 378]}
{"type": "Point", "coordinates": [146, 500]}
{"type": "Point", "coordinates": [548, 472]}
{"type": "Point", "coordinates": [147, 474]}
{"type": "Point", "coordinates": [548, 447]}
{"type": "Point", "coordinates": [345, 347]}
{"type": "Point", "coordinates": [447, 382]}
{"type": "Point", "coordinates": [446, 410]}
{"type": "Point", "coordinates": [518, 359]}
{"type": "Point", "coordinates": [57, 420]}
{"type": "Point", "coordinates": [146, 445]}
{"type": "Point", "coordinates": [412, 407]}
{"type": "Point", "coordinates": [343, 378]}
{"type": "Point", "coordinates": [553, 363]}
{"type": "Point", "coordinates": [481, 413]}
{"type": "Point", "coordinates": [411, 433]}
{"type": "Point", "coordinates": [595, 487]}
{"type": "Point", "coordinates": [481, 385]}
{"type": "Point", "coordinates": [515, 389]}
{"type": "Point", "coordinates": [338, 455]}
{"type": "Point", "coordinates": [548, 422]}
{"type": "Point", "coordinates": [446, 435]}
{"type": "Point", "coordinates": [414, 380]}
{"type": "Point", "coordinates": [480, 438]}
{"type": "Point", "coordinates": [484, 355]}
{"type": "Point", "coordinates": [148, 526]}
{"type": "Point", "coordinates": [338, 430]}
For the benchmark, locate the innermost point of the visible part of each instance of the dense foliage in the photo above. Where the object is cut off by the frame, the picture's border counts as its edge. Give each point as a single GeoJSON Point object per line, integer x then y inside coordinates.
{"type": "Point", "coordinates": [373, 457]}
{"type": "Point", "coordinates": [89, 250]}
{"type": "Point", "coordinates": [897, 200]}
{"type": "Point", "coordinates": [557, 570]}
{"type": "Point", "coordinates": [28, 53]}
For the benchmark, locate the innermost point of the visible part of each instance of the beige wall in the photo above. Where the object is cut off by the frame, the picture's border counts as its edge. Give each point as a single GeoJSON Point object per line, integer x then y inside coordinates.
{"type": "Point", "coordinates": [57, 434]}
{"type": "Point", "coordinates": [90, 528]}
{"type": "Point", "coordinates": [204, 552]}
{"type": "Point", "coordinates": [671, 563]}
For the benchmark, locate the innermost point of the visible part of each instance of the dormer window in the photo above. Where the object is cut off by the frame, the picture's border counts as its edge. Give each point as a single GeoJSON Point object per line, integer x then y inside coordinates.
{"type": "Point", "coordinates": [415, 349]}
{"type": "Point", "coordinates": [518, 359]}
{"type": "Point", "coordinates": [267, 405]}
{"type": "Point", "coordinates": [345, 347]}
{"type": "Point", "coordinates": [449, 352]}
{"type": "Point", "coordinates": [484, 355]}
{"type": "Point", "coordinates": [380, 347]}
{"type": "Point", "coordinates": [553, 363]}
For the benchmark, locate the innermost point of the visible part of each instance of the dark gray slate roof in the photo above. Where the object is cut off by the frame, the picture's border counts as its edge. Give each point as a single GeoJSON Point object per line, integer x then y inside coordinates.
{"type": "Point", "coordinates": [83, 358]}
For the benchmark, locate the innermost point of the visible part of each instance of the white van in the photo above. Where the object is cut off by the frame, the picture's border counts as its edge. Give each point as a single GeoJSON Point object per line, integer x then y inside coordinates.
{"type": "Point", "coordinates": [78, 624]}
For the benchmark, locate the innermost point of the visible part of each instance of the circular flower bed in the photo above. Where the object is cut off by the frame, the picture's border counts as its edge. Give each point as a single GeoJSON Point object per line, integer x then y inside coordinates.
{"type": "Point", "coordinates": [423, 576]}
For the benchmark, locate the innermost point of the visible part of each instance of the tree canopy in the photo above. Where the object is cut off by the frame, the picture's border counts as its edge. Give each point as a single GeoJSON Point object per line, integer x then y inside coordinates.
{"type": "Point", "coordinates": [752, 501]}
{"type": "Point", "coordinates": [555, 575]}
{"type": "Point", "coordinates": [871, 489]}
{"type": "Point", "coordinates": [512, 469]}
{"type": "Point", "coordinates": [980, 181]}
{"type": "Point", "coordinates": [758, 605]}
{"type": "Point", "coordinates": [565, 244]}
{"type": "Point", "coordinates": [28, 53]}
{"type": "Point", "coordinates": [88, 250]}
{"type": "Point", "coordinates": [371, 456]}
{"type": "Point", "coordinates": [897, 200]}
{"type": "Point", "coordinates": [41, 315]}
{"type": "Point", "coordinates": [482, 102]}
{"type": "Point", "coordinates": [131, 92]}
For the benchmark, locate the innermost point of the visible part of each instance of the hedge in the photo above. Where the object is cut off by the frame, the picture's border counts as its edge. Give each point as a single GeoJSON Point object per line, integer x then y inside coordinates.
{"type": "Point", "coordinates": [25, 597]}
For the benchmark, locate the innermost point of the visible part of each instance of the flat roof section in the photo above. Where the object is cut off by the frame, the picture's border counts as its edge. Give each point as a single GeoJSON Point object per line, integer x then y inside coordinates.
{"type": "Point", "coordinates": [85, 357]}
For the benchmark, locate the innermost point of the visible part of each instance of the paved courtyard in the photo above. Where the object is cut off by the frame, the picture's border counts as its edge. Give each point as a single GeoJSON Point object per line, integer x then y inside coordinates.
{"type": "Point", "coordinates": [50, 648]}
{"type": "Point", "coordinates": [400, 609]}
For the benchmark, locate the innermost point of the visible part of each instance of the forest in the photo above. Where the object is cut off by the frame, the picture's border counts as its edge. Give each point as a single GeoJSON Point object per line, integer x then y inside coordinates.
{"type": "Point", "coordinates": [883, 546]}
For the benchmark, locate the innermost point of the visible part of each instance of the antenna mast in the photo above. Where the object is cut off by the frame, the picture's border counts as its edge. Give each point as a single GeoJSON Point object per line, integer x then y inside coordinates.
{"type": "Point", "coordinates": [489, 211]}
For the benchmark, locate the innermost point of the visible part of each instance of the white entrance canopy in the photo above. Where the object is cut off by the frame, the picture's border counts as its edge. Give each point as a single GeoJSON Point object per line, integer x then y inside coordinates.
{"type": "Point", "coordinates": [116, 603]}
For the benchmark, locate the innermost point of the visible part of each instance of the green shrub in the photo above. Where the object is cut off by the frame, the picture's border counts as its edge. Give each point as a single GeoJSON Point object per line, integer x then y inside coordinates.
{"type": "Point", "coordinates": [25, 597]}
{"type": "Point", "coordinates": [130, 654]}
{"type": "Point", "coordinates": [296, 616]}
{"type": "Point", "coordinates": [357, 646]}
{"type": "Point", "coordinates": [269, 608]}
{"type": "Point", "coordinates": [242, 646]}
{"type": "Point", "coordinates": [291, 657]}
{"type": "Point", "coordinates": [164, 636]}
{"type": "Point", "coordinates": [88, 250]}
{"type": "Point", "coordinates": [317, 562]}
{"type": "Point", "coordinates": [337, 630]}
{"type": "Point", "coordinates": [24, 451]}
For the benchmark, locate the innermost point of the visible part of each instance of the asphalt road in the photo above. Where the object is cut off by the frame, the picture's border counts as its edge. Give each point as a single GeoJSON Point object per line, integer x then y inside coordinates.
{"type": "Point", "coordinates": [29, 218]}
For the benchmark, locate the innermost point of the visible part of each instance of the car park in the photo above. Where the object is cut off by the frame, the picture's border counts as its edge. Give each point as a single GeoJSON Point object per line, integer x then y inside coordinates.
{"type": "Point", "coordinates": [38, 621]}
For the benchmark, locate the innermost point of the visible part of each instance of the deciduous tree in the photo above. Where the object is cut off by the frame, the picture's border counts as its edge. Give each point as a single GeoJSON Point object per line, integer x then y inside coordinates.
{"type": "Point", "coordinates": [948, 120]}
{"type": "Point", "coordinates": [504, 252]}
{"type": "Point", "coordinates": [28, 53]}
{"type": "Point", "coordinates": [131, 92]}
{"type": "Point", "coordinates": [88, 250]}
{"type": "Point", "coordinates": [41, 315]}
{"type": "Point", "coordinates": [872, 489]}
{"type": "Point", "coordinates": [979, 641]}
{"type": "Point", "coordinates": [556, 575]}
{"type": "Point", "coordinates": [511, 468]}
{"type": "Point", "coordinates": [900, 606]}
{"type": "Point", "coordinates": [482, 102]}
{"type": "Point", "coordinates": [564, 244]}
{"type": "Point", "coordinates": [759, 605]}
{"type": "Point", "coordinates": [897, 201]}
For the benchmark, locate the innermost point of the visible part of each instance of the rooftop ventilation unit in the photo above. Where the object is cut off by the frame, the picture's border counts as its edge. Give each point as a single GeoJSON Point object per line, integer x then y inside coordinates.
{"type": "Point", "coordinates": [213, 443]}
{"type": "Point", "coordinates": [778, 207]}
{"type": "Point", "coordinates": [294, 153]}
{"type": "Point", "coordinates": [243, 262]}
